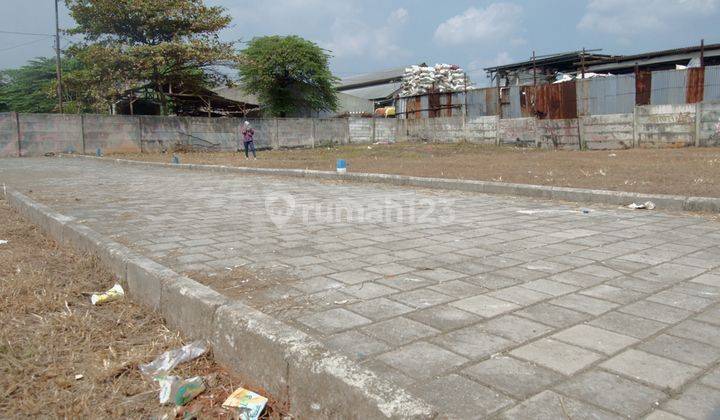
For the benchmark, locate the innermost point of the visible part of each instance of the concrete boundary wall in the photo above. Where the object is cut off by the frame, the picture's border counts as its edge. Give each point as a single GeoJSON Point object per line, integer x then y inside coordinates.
{"type": "Point", "coordinates": [665, 125]}
{"type": "Point", "coordinates": [56, 133]}
{"type": "Point", "coordinates": [648, 126]}
{"type": "Point", "coordinates": [708, 124]}
{"type": "Point", "coordinates": [613, 131]}
{"type": "Point", "coordinates": [292, 366]}
{"type": "Point", "coordinates": [9, 141]}
{"type": "Point", "coordinates": [577, 195]}
{"type": "Point", "coordinates": [559, 134]}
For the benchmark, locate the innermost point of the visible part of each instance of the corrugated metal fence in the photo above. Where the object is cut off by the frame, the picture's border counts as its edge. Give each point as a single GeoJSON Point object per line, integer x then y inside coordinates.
{"type": "Point", "coordinates": [596, 96]}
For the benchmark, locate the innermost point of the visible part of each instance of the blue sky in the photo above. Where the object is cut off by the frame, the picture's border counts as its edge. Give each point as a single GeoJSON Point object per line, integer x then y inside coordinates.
{"type": "Point", "coordinates": [367, 35]}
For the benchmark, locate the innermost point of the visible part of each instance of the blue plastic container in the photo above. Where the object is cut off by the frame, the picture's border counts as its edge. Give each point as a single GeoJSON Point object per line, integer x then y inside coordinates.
{"type": "Point", "coordinates": [341, 166]}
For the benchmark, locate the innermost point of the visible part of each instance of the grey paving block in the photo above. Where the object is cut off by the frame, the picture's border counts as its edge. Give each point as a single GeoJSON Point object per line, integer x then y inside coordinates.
{"type": "Point", "coordinates": [698, 331]}
{"type": "Point", "coordinates": [422, 298]}
{"type": "Point", "coordinates": [612, 392]}
{"type": "Point", "coordinates": [485, 306]}
{"type": "Point", "coordinates": [492, 281]}
{"type": "Point", "coordinates": [564, 358]}
{"type": "Point", "coordinates": [712, 378]}
{"type": "Point", "coordinates": [596, 339]}
{"type": "Point", "coordinates": [458, 288]}
{"type": "Point", "coordinates": [680, 300]}
{"type": "Point", "coordinates": [669, 273]}
{"type": "Point", "coordinates": [333, 320]}
{"type": "Point", "coordinates": [472, 342]}
{"type": "Point", "coordinates": [399, 331]}
{"type": "Point", "coordinates": [697, 402]}
{"type": "Point", "coordinates": [356, 345]}
{"type": "Point", "coordinates": [422, 360]}
{"type": "Point", "coordinates": [551, 405]}
{"type": "Point", "coordinates": [585, 304]}
{"type": "Point", "coordinates": [405, 282]}
{"type": "Point", "coordinates": [517, 378]}
{"type": "Point", "coordinates": [626, 324]}
{"type": "Point", "coordinates": [652, 369]}
{"type": "Point", "coordinates": [461, 398]}
{"type": "Point", "coordinates": [682, 349]}
{"type": "Point", "coordinates": [317, 284]}
{"type": "Point", "coordinates": [379, 308]}
{"type": "Point", "coordinates": [515, 328]}
{"type": "Point", "coordinates": [613, 294]}
{"type": "Point", "coordinates": [519, 295]}
{"type": "Point", "coordinates": [444, 317]}
{"type": "Point", "coordinates": [552, 315]}
{"type": "Point", "coordinates": [440, 274]}
{"type": "Point", "coordinates": [578, 279]}
{"type": "Point", "coordinates": [708, 279]}
{"type": "Point", "coordinates": [656, 311]}
{"type": "Point", "coordinates": [367, 290]}
{"type": "Point", "coordinates": [662, 415]}
{"type": "Point", "coordinates": [354, 276]}
{"type": "Point", "coordinates": [550, 287]}
{"type": "Point", "coordinates": [390, 269]}
{"type": "Point", "coordinates": [638, 285]}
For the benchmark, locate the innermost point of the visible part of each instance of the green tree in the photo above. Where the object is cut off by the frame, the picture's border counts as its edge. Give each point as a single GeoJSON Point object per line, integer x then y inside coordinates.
{"type": "Point", "coordinates": [156, 44]}
{"type": "Point", "coordinates": [288, 74]}
{"type": "Point", "coordinates": [31, 88]}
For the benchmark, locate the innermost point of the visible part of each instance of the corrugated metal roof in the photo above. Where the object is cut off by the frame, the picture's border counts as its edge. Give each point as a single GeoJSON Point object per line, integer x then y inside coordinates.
{"type": "Point", "coordinates": [377, 92]}
{"type": "Point", "coordinates": [237, 94]}
{"type": "Point", "coordinates": [371, 78]}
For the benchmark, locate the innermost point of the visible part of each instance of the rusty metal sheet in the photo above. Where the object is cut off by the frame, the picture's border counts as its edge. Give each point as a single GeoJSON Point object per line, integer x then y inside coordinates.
{"type": "Point", "coordinates": [695, 85]}
{"type": "Point", "coordinates": [414, 105]}
{"type": "Point", "coordinates": [557, 101]}
{"type": "Point", "coordinates": [643, 88]}
{"type": "Point", "coordinates": [527, 101]}
{"type": "Point", "coordinates": [433, 104]}
{"type": "Point", "coordinates": [449, 104]}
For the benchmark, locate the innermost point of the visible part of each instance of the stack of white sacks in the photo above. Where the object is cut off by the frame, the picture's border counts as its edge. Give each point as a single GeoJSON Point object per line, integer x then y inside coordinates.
{"type": "Point", "coordinates": [419, 80]}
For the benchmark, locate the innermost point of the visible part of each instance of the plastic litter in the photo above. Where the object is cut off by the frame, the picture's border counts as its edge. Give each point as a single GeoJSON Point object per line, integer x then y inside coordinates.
{"type": "Point", "coordinates": [3, 241]}
{"type": "Point", "coordinates": [648, 205]}
{"type": "Point", "coordinates": [245, 403]}
{"type": "Point", "coordinates": [115, 293]}
{"type": "Point", "coordinates": [167, 361]}
{"type": "Point", "coordinates": [179, 391]}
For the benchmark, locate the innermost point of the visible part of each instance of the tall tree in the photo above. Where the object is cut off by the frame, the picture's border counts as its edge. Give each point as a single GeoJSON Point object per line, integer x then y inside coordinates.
{"type": "Point", "coordinates": [288, 74]}
{"type": "Point", "coordinates": [156, 44]}
{"type": "Point", "coordinates": [31, 88]}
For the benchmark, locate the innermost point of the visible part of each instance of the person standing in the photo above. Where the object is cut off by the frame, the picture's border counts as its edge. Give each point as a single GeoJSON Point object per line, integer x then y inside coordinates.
{"type": "Point", "coordinates": [248, 140]}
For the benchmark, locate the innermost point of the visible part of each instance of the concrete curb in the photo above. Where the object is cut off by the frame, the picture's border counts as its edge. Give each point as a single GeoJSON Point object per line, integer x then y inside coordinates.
{"type": "Point", "coordinates": [287, 362]}
{"type": "Point", "coordinates": [578, 195]}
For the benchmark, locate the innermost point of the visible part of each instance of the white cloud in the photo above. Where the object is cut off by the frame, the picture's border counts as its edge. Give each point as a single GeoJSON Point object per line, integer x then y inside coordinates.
{"type": "Point", "coordinates": [354, 38]}
{"type": "Point", "coordinates": [623, 18]}
{"type": "Point", "coordinates": [476, 72]}
{"type": "Point", "coordinates": [398, 16]}
{"type": "Point", "coordinates": [497, 21]}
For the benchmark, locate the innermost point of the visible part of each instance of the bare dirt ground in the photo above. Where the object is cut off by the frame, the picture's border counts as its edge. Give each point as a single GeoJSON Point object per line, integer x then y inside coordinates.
{"type": "Point", "coordinates": [51, 333]}
{"type": "Point", "coordinates": [690, 171]}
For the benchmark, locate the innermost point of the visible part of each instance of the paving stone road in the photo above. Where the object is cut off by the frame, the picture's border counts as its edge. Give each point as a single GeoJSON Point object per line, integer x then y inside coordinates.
{"type": "Point", "coordinates": [485, 306]}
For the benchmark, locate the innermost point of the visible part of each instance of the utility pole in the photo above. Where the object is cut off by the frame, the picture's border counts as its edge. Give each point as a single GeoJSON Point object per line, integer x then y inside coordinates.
{"type": "Point", "coordinates": [534, 70]}
{"type": "Point", "coordinates": [57, 59]}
